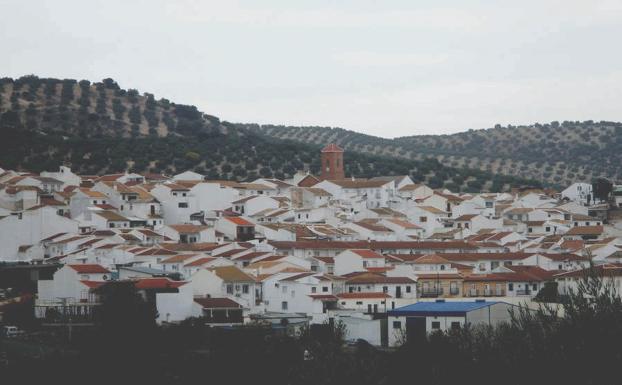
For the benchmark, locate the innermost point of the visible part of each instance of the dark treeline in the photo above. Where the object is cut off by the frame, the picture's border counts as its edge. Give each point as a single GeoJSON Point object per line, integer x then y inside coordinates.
{"type": "Point", "coordinates": [537, 347]}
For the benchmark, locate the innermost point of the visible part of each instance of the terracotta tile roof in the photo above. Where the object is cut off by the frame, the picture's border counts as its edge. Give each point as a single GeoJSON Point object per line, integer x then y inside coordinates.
{"type": "Point", "coordinates": [318, 191]}
{"type": "Point", "coordinates": [200, 262]}
{"type": "Point", "coordinates": [217, 303]}
{"type": "Point", "coordinates": [298, 276]}
{"type": "Point", "coordinates": [377, 278]}
{"type": "Point", "coordinates": [157, 283]}
{"type": "Point", "coordinates": [231, 274]}
{"type": "Point", "coordinates": [179, 258]}
{"type": "Point", "coordinates": [250, 256]}
{"type": "Point", "coordinates": [365, 295]}
{"type": "Point", "coordinates": [239, 221]}
{"type": "Point", "coordinates": [373, 245]}
{"type": "Point", "coordinates": [430, 259]}
{"type": "Point", "coordinates": [90, 269]}
{"type": "Point", "coordinates": [432, 209]}
{"type": "Point", "coordinates": [327, 260]}
{"type": "Point", "coordinates": [92, 193]}
{"type": "Point", "coordinates": [153, 251]}
{"type": "Point", "coordinates": [323, 297]}
{"type": "Point", "coordinates": [199, 246]}
{"type": "Point", "coordinates": [372, 226]}
{"type": "Point", "coordinates": [585, 230]}
{"type": "Point", "coordinates": [466, 217]}
{"type": "Point", "coordinates": [111, 216]}
{"type": "Point", "coordinates": [229, 253]}
{"type": "Point", "coordinates": [439, 276]}
{"type": "Point", "coordinates": [404, 224]}
{"type": "Point", "coordinates": [572, 244]}
{"type": "Point", "coordinates": [366, 253]}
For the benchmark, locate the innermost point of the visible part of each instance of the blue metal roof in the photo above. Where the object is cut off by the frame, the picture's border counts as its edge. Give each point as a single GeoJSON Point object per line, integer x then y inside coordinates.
{"type": "Point", "coordinates": [455, 308]}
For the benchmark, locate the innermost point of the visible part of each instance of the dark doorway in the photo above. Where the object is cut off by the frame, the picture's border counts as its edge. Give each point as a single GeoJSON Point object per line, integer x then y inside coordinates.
{"type": "Point", "coordinates": [415, 329]}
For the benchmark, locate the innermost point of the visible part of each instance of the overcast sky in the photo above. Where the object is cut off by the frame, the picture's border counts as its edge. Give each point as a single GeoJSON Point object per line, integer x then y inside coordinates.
{"type": "Point", "coordinates": [386, 68]}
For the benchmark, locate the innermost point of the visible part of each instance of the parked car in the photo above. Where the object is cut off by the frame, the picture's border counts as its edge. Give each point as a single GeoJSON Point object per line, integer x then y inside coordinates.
{"type": "Point", "coordinates": [11, 331]}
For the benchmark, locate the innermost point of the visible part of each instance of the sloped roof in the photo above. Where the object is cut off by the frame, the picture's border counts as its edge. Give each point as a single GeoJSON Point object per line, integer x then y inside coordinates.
{"type": "Point", "coordinates": [585, 230]}
{"type": "Point", "coordinates": [217, 303]}
{"type": "Point", "coordinates": [365, 295]}
{"type": "Point", "coordinates": [231, 274]}
{"type": "Point", "coordinates": [366, 253]}
{"type": "Point", "coordinates": [90, 269]}
{"type": "Point", "coordinates": [239, 221]}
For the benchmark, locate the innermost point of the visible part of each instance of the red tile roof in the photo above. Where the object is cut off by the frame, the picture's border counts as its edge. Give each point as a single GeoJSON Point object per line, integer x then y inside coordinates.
{"type": "Point", "coordinates": [365, 253]}
{"type": "Point", "coordinates": [367, 295]}
{"type": "Point", "coordinates": [377, 278]}
{"type": "Point", "coordinates": [217, 303]}
{"type": "Point", "coordinates": [90, 269]}
{"type": "Point", "coordinates": [157, 283]}
{"type": "Point", "coordinates": [374, 245]}
{"type": "Point", "coordinates": [239, 221]}
{"type": "Point", "coordinates": [199, 262]}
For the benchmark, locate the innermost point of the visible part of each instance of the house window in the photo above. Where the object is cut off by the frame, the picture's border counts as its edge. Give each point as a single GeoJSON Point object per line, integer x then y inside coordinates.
{"type": "Point", "coordinates": [359, 302]}
{"type": "Point", "coordinates": [534, 286]}
{"type": "Point", "coordinates": [313, 289]}
{"type": "Point", "coordinates": [547, 229]}
{"type": "Point", "coordinates": [530, 230]}
{"type": "Point", "coordinates": [385, 289]}
{"type": "Point", "coordinates": [510, 286]}
{"type": "Point", "coordinates": [245, 289]}
{"type": "Point", "coordinates": [182, 205]}
{"type": "Point", "coordinates": [408, 289]}
{"type": "Point", "coordinates": [397, 324]}
{"type": "Point", "coordinates": [436, 325]}
{"type": "Point", "coordinates": [455, 325]}
{"type": "Point", "coordinates": [324, 289]}
{"type": "Point", "coordinates": [423, 219]}
{"type": "Point", "coordinates": [284, 305]}
{"type": "Point", "coordinates": [229, 289]}
{"type": "Point", "coordinates": [284, 289]}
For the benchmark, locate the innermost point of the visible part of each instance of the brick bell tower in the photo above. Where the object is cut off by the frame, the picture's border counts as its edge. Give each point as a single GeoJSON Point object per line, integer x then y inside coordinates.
{"type": "Point", "coordinates": [332, 163]}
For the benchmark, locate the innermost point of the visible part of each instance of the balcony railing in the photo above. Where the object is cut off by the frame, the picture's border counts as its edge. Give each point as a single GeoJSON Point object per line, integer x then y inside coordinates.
{"type": "Point", "coordinates": [431, 293]}
{"type": "Point", "coordinates": [523, 292]}
{"type": "Point", "coordinates": [485, 293]}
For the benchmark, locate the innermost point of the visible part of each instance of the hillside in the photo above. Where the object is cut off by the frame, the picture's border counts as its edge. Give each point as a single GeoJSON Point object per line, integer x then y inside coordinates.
{"type": "Point", "coordinates": [555, 153]}
{"type": "Point", "coordinates": [101, 128]}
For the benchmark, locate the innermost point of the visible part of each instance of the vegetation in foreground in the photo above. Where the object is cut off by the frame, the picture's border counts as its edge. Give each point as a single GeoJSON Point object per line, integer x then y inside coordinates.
{"type": "Point", "coordinates": [541, 347]}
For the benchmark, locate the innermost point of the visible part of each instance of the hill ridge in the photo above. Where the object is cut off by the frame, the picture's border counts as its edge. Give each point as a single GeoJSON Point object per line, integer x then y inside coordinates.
{"type": "Point", "coordinates": [100, 127]}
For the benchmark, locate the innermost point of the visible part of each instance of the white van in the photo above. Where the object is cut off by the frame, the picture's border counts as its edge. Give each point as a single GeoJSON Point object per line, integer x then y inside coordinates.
{"type": "Point", "coordinates": [11, 331]}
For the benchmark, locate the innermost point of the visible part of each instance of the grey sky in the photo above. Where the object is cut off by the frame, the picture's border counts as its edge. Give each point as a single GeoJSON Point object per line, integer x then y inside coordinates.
{"type": "Point", "coordinates": [386, 68]}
